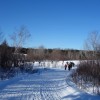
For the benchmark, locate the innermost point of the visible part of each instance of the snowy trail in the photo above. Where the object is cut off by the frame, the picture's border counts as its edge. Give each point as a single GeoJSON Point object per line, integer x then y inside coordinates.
{"type": "Point", "coordinates": [50, 84]}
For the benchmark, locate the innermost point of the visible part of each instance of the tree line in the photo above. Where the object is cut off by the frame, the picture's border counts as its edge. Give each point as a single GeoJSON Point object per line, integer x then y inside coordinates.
{"type": "Point", "coordinates": [9, 55]}
{"type": "Point", "coordinates": [12, 55]}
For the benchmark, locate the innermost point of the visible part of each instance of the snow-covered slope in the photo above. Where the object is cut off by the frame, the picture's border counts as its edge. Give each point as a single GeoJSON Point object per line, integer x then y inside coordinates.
{"type": "Point", "coordinates": [47, 84]}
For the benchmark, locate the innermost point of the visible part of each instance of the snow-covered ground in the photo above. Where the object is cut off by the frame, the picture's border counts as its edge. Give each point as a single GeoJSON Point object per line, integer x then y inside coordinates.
{"type": "Point", "coordinates": [54, 64]}
{"type": "Point", "coordinates": [47, 84]}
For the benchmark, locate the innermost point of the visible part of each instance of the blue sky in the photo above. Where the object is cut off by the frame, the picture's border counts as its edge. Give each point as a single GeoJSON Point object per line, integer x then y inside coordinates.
{"type": "Point", "coordinates": [52, 23]}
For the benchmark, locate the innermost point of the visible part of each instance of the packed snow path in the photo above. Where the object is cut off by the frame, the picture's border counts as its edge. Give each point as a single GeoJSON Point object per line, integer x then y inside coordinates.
{"type": "Point", "coordinates": [47, 84]}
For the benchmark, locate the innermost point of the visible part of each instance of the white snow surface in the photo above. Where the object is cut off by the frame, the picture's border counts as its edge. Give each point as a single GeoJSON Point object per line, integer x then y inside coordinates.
{"type": "Point", "coordinates": [46, 84]}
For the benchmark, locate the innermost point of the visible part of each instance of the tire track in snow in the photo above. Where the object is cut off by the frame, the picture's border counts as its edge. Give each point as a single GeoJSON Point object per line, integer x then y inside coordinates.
{"type": "Point", "coordinates": [47, 85]}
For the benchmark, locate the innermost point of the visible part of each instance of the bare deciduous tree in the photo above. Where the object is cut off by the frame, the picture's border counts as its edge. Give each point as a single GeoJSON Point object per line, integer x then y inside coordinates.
{"type": "Point", "coordinates": [1, 36]}
{"type": "Point", "coordinates": [93, 43]}
{"type": "Point", "coordinates": [19, 38]}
